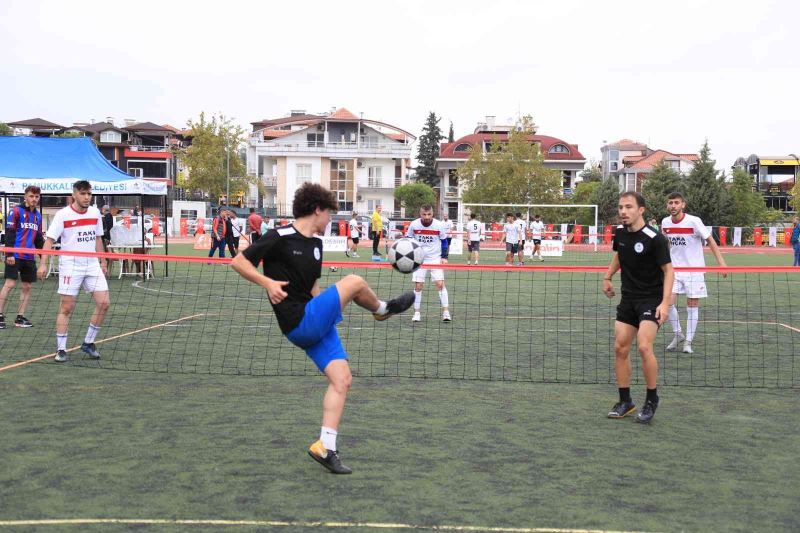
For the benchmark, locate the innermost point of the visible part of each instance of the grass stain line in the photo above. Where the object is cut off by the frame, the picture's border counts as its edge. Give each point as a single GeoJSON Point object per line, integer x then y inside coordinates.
{"type": "Point", "coordinates": [278, 523]}
{"type": "Point", "coordinates": [115, 337]}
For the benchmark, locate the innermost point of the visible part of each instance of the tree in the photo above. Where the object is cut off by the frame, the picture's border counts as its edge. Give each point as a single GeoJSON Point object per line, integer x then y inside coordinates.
{"type": "Point", "coordinates": [5, 130]}
{"type": "Point", "coordinates": [429, 151]}
{"type": "Point", "coordinates": [215, 144]}
{"type": "Point", "coordinates": [68, 135]}
{"type": "Point", "coordinates": [415, 195]}
{"type": "Point", "coordinates": [748, 205]}
{"type": "Point", "coordinates": [585, 192]}
{"type": "Point", "coordinates": [662, 181]}
{"type": "Point", "coordinates": [704, 190]}
{"type": "Point", "coordinates": [511, 172]}
{"type": "Point", "coordinates": [591, 173]}
{"type": "Point", "coordinates": [451, 137]}
{"type": "Point", "coordinates": [606, 196]}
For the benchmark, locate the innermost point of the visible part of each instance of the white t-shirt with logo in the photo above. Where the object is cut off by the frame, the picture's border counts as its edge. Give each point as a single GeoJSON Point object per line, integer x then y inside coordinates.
{"type": "Point", "coordinates": [475, 229]}
{"type": "Point", "coordinates": [429, 237]}
{"type": "Point", "coordinates": [79, 233]}
{"type": "Point", "coordinates": [354, 233]}
{"type": "Point", "coordinates": [537, 230]}
{"type": "Point", "coordinates": [512, 232]}
{"type": "Point", "coordinates": [686, 239]}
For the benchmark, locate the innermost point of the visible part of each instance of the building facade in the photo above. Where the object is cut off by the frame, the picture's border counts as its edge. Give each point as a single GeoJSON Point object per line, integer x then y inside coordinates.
{"type": "Point", "coordinates": [631, 162]}
{"type": "Point", "coordinates": [361, 160]}
{"type": "Point", "coordinates": [773, 177]}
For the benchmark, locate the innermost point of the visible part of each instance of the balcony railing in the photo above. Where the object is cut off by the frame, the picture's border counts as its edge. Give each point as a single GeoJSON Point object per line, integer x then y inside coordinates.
{"type": "Point", "coordinates": [376, 183]}
{"type": "Point", "coordinates": [144, 148]}
{"type": "Point", "coordinates": [451, 191]}
{"type": "Point", "coordinates": [270, 181]}
{"type": "Point", "coordinates": [341, 147]}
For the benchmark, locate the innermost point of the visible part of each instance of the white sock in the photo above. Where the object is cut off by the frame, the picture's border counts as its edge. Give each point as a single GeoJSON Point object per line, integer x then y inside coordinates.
{"type": "Point", "coordinates": [443, 297]}
{"type": "Point", "coordinates": [417, 300]}
{"type": "Point", "coordinates": [674, 319]}
{"type": "Point", "coordinates": [693, 314]}
{"type": "Point", "coordinates": [381, 308]}
{"type": "Point", "coordinates": [61, 341]}
{"type": "Point", "coordinates": [328, 438]}
{"type": "Point", "coordinates": [91, 333]}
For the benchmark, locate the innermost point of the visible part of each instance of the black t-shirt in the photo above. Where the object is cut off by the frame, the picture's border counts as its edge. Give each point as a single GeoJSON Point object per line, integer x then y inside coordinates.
{"type": "Point", "coordinates": [289, 256]}
{"type": "Point", "coordinates": [641, 255]}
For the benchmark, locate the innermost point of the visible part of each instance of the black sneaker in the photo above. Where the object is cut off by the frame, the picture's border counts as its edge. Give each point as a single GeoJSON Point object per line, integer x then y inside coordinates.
{"type": "Point", "coordinates": [22, 322]}
{"type": "Point", "coordinates": [648, 412]}
{"type": "Point", "coordinates": [621, 409]}
{"type": "Point", "coordinates": [396, 306]}
{"type": "Point", "coordinates": [90, 349]}
{"type": "Point", "coordinates": [328, 458]}
{"type": "Point", "coordinates": [2, 321]}
{"type": "Point", "coordinates": [61, 357]}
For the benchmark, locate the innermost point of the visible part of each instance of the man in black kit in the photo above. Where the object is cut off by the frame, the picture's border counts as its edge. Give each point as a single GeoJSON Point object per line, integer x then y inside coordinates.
{"type": "Point", "coordinates": [642, 253]}
{"type": "Point", "coordinates": [306, 314]}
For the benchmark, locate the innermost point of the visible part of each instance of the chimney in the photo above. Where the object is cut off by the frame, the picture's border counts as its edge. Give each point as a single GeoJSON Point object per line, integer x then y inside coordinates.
{"type": "Point", "coordinates": [91, 121]}
{"type": "Point", "coordinates": [130, 121]}
{"type": "Point", "coordinates": [490, 122]}
{"type": "Point", "coordinates": [110, 120]}
{"type": "Point", "coordinates": [297, 112]}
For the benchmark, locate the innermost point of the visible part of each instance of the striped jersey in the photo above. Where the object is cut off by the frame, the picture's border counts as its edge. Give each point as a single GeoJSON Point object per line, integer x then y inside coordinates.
{"type": "Point", "coordinates": [429, 237]}
{"type": "Point", "coordinates": [79, 233]}
{"type": "Point", "coordinates": [26, 227]}
{"type": "Point", "coordinates": [686, 238]}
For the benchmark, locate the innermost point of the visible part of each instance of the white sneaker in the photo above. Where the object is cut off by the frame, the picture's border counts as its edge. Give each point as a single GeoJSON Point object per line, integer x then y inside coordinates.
{"type": "Point", "coordinates": [687, 347]}
{"type": "Point", "coordinates": [417, 317]}
{"type": "Point", "coordinates": [676, 340]}
{"type": "Point", "coordinates": [354, 254]}
{"type": "Point", "coordinates": [446, 316]}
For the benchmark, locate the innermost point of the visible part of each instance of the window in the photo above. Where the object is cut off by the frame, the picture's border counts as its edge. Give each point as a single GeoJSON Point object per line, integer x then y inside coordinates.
{"type": "Point", "coordinates": [464, 147]}
{"type": "Point", "coordinates": [613, 155]}
{"type": "Point", "coordinates": [110, 137]}
{"type": "Point", "coordinates": [374, 174]}
{"type": "Point", "coordinates": [315, 139]}
{"type": "Point", "coordinates": [614, 166]}
{"type": "Point", "coordinates": [136, 172]}
{"type": "Point", "coordinates": [303, 172]}
{"type": "Point", "coordinates": [372, 204]}
{"type": "Point", "coordinates": [559, 149]}
{"type": "Point", "coordinates": [342, 176]}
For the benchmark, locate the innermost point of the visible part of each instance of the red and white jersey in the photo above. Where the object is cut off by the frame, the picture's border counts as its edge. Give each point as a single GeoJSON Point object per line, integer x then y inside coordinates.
{"type": "Point", "coordinates": [686, 239]}
{"type": "Point", "coordinates": [429, 237]}
{"type": "Point", "coordinates": [79, 233]}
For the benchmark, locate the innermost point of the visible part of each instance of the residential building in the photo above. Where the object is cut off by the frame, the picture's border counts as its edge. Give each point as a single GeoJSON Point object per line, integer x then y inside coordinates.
{"type": "Point", "coordinates": [631, 162]}
{"type": "Point", "coordinates": [35, 127]}
{"type": "Point", "coordinates": [773, 177]}
{"type": "Point", "coordinates": [361, 160]}
{"type": "Point", "coordinates": [559, 154]}
{"type": "Point", "coordinates": [614, 154]}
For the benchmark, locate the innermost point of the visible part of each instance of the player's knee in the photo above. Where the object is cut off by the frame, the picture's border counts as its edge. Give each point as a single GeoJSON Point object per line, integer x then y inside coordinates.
{"type": "Point", "coordinates": [103, 305]}
{"type": "Point", "coordinates": [645, 350]}
{"type": "Point", "coordinates": [621, 350]}
{"type": "Point", "coordinates": [9, 284]}
{"type": "Point", "coordinates": [341, 384]}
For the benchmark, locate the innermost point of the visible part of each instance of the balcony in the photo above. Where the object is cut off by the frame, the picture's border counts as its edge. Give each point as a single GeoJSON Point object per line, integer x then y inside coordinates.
{"type": "Point", "coordinates": [332, 149]}
{"type": "Point", "coordinates": [270, 181]}
{"type": "Point", "coordinates": [145, 148]}
{"type": "Point", "coordinates": [451, 191]}
{"type": "Point", "coordinates": [148, 152]}
{"type": "Point", "coordinates": [376, 183]}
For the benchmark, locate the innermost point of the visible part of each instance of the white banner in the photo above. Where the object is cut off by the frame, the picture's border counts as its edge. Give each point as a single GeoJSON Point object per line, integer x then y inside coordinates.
{"type": "Point", "coordinates": [773, 236]}
{"type": "Point", "coordinates": [63, 186]}
{"type": "Point", "coordinates": [737, 236]}
{"type": "Point", "coordinates": [593, 235]}
{"type": "Point", "coordinates": [334, 244]}
{"type": "Point", "coordinates": [548, 248]}
{"type": "Point", "coordinates": [563, 232]}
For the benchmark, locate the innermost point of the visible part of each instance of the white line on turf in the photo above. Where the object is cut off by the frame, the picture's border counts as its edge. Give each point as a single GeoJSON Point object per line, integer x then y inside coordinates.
{"type": "Point", "coordinates": [281, 523]}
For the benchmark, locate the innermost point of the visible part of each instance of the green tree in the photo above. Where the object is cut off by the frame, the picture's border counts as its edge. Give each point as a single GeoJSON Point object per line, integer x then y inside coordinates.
{"type": "Point", "coordinates": [606, 196]}
{"type": "Point", "coordinates": [215, 144]}
{"type": "Point", "coordinates": [585, 192]}
{"type": "Point", "coordinates": [415, 195]}
{"type": "Point", "coordinates": [591, 173]}
{"type": "Point", "coordinates": [5, 130]}
{"type": "Point", "coordinates": [429, 150]}
{"type": "Point", "coordinates": [662, 181]}
{"type": "Point", "coordinates": [510, 172]}
{"type": "Point", "coordinates": [704, 190]}
{"type": "Point", "coordinates": [451, 137]}
{"type": "Point", "coordinates": [68, 135]}
{"type": "Point", "coordinates": [748, 205]}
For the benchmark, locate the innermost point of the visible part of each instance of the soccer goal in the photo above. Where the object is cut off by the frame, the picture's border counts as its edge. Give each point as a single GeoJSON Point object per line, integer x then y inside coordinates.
{"type": "Point", "coordinates": [564, 224]}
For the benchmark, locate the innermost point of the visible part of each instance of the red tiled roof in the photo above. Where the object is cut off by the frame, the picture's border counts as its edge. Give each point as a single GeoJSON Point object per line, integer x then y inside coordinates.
{"type": "Point", "coordinates": [627, 144]}
{"type": "Point", "coordinates": [396, 136]}
{"type": "Point", "coordinates": [343, 114]}
{"type": "Point", "coordinates": [173, 129]}
{"type": "Point", "coordinates": [632, 158]}
{"type": "Point", "coordinates": [297, 119]}
{"type": "Point", "coordinates": [647, 163]}
{"type": "Point", "coordinates": [690, 157]}
{"type": "Point", "coordinates": [447, 150]}
{"type": "Point", "coordinates": [274, 134]}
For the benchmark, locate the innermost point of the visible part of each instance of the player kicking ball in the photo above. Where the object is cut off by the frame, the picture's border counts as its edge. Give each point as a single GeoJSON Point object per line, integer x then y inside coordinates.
{"type": "Point", "coordinates": [643, 255]}
{"type": "Point", "coordinates": [431, 235]}
{"type": "Point", "coordinates": [686, 235]}
{"type": "Point", "coordinates": [306, 314]}
{"type": "Point", "coordinates": [80, 227]}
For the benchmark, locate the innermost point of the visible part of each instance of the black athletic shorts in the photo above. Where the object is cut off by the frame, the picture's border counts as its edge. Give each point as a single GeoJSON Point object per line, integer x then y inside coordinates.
{"type": "Point", "coordinates": [634, 312]}
{"type": "Point", "coordinates": [23, 269]}
{"type": "Point", "coordinates": [355, 240]}
{"type": "Point", "coordinates": [537, 242]}
{"type": "Point", "coordinates": [474, 246]}
{"type": "Point", "coordinates": [512, 247]}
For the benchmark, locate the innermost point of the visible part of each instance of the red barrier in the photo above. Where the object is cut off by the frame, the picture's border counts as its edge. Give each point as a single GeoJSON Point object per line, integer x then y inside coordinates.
{"type": "Point", "coordinates": [497, 231]}
{"type": "Point", "coordinates": [787, 236]}
{"type": "Point", "coordinates": [343, 229]}
{"type": "Point", "coordinates": [548, 228]}
{"type": "Point", "coordinates": [156, 229]}
{"type": "Point", "coordinates": [723, 236]}
{"type": "Point", "coordinates": [126, 221]}
{"type": "Point", "coordinates": [577, 235]}
{"type": "Point", "coordinates": [200, 228]}
{"type": "Point", "coordinates": [608, 235]}
{"type": "Point", "coordinates": [184, 228]}
{"type": "Point", "coordinates": [757, 236]}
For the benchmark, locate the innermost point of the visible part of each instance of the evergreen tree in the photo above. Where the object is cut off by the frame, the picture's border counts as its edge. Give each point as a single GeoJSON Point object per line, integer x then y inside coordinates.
{"type": "Point", "coordinates": [748, 205]}
{"type": "Point", "coordinates": [451, 135]}
{"type": "Point", "coordinates": [415, 195]}
{"type": "Point", "coordinates": [606, 196]}
{"type": "Point", "coordinates": [662, 181]}
{"type": "Point", "coordinates": [592, 173]}
{"type": "Point", "coordinates": [5, 130]}
{"type": "Point", "coordinates": [704, 190]}
{"type": "Point", "coordinates": [429, 151]}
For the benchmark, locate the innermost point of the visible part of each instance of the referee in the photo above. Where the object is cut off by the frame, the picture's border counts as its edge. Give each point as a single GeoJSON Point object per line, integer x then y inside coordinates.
{"type": "Point", "coordinates": [643, 255]}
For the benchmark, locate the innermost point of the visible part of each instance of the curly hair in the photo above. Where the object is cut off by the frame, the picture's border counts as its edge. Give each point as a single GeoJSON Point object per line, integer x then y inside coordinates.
{"type": "Point", "coordinates": [309, 197]}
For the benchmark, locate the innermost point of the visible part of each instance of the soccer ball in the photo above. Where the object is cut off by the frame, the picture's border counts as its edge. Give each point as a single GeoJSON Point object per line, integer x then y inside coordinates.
{"type": "Point", "coordinates": [406, 255]}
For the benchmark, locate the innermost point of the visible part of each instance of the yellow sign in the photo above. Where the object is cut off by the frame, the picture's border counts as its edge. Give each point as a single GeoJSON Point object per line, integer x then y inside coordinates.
{"type": "Point", "coordinates": [791, 162]}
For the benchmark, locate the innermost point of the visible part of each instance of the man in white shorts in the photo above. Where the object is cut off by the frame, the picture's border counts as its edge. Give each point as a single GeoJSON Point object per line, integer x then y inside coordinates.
{"type": "Point", "coordinates": [511, 237]}
{"type": "Point", "coordinates": [80, 227]}
{"type": "Point", "coordinates": [353, 237]}
{"type": "Point", "coordinates": [431, 235]}
{"type": "Point", "coordinates": [537, 230]}
{"type": "Point", "coordinates": [686, 235]}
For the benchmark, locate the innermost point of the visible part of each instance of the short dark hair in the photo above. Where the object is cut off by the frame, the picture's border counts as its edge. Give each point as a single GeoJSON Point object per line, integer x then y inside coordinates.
{"type": "Point", "coordinates": [82, 185]}
{"type": "Point", "coordinates": [252, 209]}
{"type": "Point", "coordinates": [519, 215]}
{"type": "Point", "coordinates": [472, 215]}
{"type": "Point", "coordinates": [426, 207]}
{"type": "Point", "coordinates": [638, 197]}
{"type": "Point", "coordinates": [309, 197]}
{"type": "Point", "coordinates": [509, 215]}
{"type": "Point", "coordinates": [536, 216]}
{"type": "Point", "coordinates": [673, 195]}
{"type": "Point", "coordinates": [33, 188]}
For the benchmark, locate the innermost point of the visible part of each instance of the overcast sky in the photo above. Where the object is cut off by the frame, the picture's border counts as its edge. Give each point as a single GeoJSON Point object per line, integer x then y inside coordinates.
{"type": "Point", "coordinates": [668, 73]}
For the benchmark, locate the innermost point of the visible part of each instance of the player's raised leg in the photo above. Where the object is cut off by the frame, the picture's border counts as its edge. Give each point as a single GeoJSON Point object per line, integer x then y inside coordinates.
{"type": "Point", "coordinates": [355, 289]}
{"type": "Point", "coordinates": [623, 338]}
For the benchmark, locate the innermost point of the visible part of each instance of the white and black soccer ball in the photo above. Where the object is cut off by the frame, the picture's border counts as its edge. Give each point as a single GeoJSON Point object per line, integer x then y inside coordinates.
{"type": "Point", "coordinates": [406, 255]}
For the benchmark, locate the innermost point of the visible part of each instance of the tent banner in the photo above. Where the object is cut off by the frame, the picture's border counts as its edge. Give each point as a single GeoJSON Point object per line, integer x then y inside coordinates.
{"type": "Point", "coordinates": [64, 186]}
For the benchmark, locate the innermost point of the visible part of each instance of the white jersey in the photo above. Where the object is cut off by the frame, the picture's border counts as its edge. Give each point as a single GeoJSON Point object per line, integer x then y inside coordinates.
{"type": "Point", "coordinates": [475, 230]}
{"type": "Point", "coordinates": [79, 233]}
{"type": "Point", "coordinates": [521, 228]}
{"type": "Point", "coordinates": [537, 230]}
{"type": "Point", "coordinates": [686, 239]}
{"type": "Point", "coordinates": [429, 237]}
{"type": "Point", "coordinates": [449, 226]}
{"type": "Point", "coordinates": [354, 233]}
{"type": "Point", "coordinates": [512, 232]}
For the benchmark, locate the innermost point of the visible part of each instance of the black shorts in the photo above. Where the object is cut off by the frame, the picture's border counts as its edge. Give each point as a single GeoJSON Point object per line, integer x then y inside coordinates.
{"type": "Point", "coordinates": [355, 240]}
{"type": "Point", "coordinates": [537, 242]}
{"type": "Point", "coordinates": [512, 247]}
{"type": "Point", "coordinates": [634, 312]}
{"type": "Point", "coordinates": [474, 246]}
{"type": "Point", "coordinates": [22, 269]}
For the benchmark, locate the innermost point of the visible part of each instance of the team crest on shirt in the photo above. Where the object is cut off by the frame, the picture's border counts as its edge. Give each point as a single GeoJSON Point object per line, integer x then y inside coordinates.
{"type": "Point", "coordinates": [316, 254]}
{"type": "Point", "coordinates": [638, 247]}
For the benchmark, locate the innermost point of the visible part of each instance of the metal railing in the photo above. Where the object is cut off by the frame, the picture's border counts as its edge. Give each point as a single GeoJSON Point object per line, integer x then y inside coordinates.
{"type": "Point", "coordinates": [375, 183]}
{"type": "Point", "coordinates": [270, 181]}
{"type": "Point", "coordinates": [145, 148]}
{"type": "Point", "coordinates": [451, 191]}
{"type": "Point", "coordinates": [314, 146]}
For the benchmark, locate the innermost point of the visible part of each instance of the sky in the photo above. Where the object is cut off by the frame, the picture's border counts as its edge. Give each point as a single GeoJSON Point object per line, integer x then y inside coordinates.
{"type": "Point", "coordinates": [668, 73]}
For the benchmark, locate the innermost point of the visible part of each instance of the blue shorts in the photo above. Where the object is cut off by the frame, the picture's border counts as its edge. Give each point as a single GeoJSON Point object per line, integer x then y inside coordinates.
{"type": "Point", "coordinates": [316, 333]}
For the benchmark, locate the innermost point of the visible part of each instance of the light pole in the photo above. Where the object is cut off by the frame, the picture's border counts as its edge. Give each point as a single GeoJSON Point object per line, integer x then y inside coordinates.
{"type": "Point", "coordinates": [227, 174]}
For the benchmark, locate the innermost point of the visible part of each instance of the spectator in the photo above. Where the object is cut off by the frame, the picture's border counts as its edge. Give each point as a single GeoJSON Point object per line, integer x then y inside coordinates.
{"type": "Point", "coordinates": [135, 211]}
{"type": "Point", "coordinates": [218, 232]}
{"type": "Point", "coordinates": [108, 223]}
{"type": "Point", "coordinates": [254, 221]}
{"type": "Point", "coordinates": [149, 239]}
{"type": "Point", "coordinates": [796, 240]}
{"type": "Point", "coordinates": [376, 227]}
{"type": "Point", "coordinates": [265, 226]}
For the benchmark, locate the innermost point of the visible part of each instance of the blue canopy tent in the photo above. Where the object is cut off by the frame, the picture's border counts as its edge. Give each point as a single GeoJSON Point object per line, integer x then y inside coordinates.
{"type": "Point", "coordinates": [54, 164]}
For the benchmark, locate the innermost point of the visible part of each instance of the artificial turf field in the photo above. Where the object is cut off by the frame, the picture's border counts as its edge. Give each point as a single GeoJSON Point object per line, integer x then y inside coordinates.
{"type": "Point", "coordinates": [206, 432]}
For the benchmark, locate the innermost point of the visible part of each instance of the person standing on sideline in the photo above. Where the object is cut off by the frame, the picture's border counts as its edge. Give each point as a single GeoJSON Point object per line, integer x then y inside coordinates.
{"type": "Point", "coordinates": [108, 223]}
{"type": "Point", "coordinates": [431, 235]}
{"type": "Point", "coordinates": [24, 231]}
{"type": "Point", "coordinates": [229, 232]}
{"type": "Point", "coordinates": [796, 240]}
{"type": "Point", "coordinates": [537, 230]}
{"type": "Point", "coordinates": [80, 227]}
{"type": "Point", "coordinates": [376, 226]}
{"type": "Point", "coordinates": [511, 238]}
{"type": "Point", "coordinates": [254, 225]}
{"type": "Point", "coordinates": [643, 256]}
{"type": "Point", "coordinates": [218, 229]}
{"type": "Point", "coordinates": [306, 314]}
{"type": "Point", "coordinates": [474, 234]}
{"type": "Point", "coordinates": [522, 227]}
{"type": "Point", "coordinates": [353, 236]}
{"type": "Point", "coordinates": [686, 235]}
